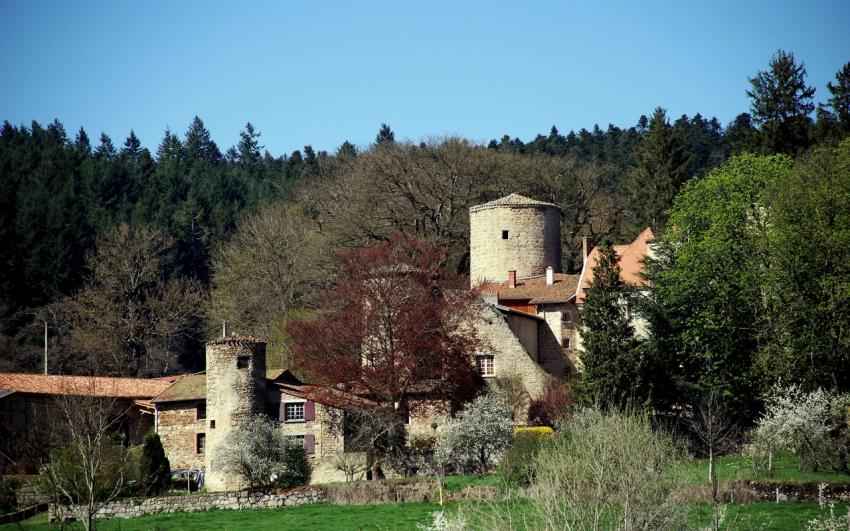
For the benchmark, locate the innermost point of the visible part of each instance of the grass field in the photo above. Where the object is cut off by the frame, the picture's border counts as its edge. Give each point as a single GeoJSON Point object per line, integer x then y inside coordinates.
{"type": "Point", "coordinates": [740, 468]}
{"type": "Point", "coordinates": [768, 516]}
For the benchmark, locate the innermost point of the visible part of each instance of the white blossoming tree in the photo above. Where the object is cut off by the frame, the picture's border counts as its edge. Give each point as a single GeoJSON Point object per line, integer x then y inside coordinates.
{"type": "Point", "coordinates": [812, 426]}
{"type": "Point", "coordinates": [480, 433]}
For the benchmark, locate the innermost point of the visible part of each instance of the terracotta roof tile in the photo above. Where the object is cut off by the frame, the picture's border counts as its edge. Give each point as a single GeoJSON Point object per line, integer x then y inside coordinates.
{"type": "Point", "coordinates": [513, 200]}
{"type": "Point", "coordinates": [631, 263]}
{"type": "Point", "coordinates": [535, 289]}
{"type": "Point", "coordinates": [55, 384]}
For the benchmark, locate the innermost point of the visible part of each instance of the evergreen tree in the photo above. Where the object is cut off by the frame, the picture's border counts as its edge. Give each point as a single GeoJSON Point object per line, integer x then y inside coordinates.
{"type": "Point", "coordinates": [385, 135]}
{"type": "Point", "coordinates": [154, 468]}
{"type": "Point", "coordinates": [839, 99]}
{"type": "Point", "coordinates": [132, 147]}
{"type": "Point", "coordinates": [347, 150]}
{"type": "Point", "coordinates": [742, 136]}
{"type": "Point", "coordinates": [661, 168]}
{"type": "Point", "coordinates": [199, 144]}
{"type": "Point", "coordinates": [106, 149]}
{"type": "Point", "coordinates": [249, 148]}
{"type": "Point", "coordinates": [781, 104]}
{"type": "Point", "coordinates": [611, 354]}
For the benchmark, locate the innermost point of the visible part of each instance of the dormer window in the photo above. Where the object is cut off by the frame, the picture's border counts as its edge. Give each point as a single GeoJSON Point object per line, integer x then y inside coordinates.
{"type": "Point", "coordinates": [504, 235]}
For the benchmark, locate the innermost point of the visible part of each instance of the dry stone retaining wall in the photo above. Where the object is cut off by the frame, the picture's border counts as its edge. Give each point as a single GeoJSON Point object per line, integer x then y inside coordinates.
{"type": "Point", "coordinates": [195, 503]}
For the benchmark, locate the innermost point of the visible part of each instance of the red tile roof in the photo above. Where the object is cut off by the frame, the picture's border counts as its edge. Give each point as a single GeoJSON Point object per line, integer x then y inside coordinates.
{"type": "Point", "coordinates": [631, 263]}
{"type": "Point", "coordinates": [55, 384]}
{"type": "Point", "coordinates": [535, 289]}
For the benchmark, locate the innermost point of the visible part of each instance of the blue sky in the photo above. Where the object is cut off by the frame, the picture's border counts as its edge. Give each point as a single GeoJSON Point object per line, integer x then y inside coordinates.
{"type": "Point", "coordinates": [322, 72]}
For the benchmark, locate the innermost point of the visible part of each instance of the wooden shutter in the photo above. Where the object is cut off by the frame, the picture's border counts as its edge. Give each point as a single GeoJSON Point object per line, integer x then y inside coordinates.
{"type": "Point", "coordinates": [310, 443]}
{"type": "Point", "coordinates": [309, 410]}
{"type": "Point", "coordinates": [281, 411]}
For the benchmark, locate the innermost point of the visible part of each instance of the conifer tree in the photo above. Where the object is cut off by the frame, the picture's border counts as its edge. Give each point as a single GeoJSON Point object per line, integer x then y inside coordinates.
{"type": "Point", "coordinates": [839, 100]}
{"type": "Point", "coordinates": [611, 354]}
{"type": "Point", "coordinates": [154, 468]}
{"type": "Point", "coordinates": [385, 135]}
{"type": "Point", "coordinates": [661, 168]}
{"type": "Point", "coordinates": [781, 104]}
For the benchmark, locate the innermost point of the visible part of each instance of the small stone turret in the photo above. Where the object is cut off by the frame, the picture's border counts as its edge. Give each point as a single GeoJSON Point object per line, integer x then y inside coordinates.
{"type": "Point", "coordinates": [236, 389]}
{"type": "Point", "coordinates": [513, 233]}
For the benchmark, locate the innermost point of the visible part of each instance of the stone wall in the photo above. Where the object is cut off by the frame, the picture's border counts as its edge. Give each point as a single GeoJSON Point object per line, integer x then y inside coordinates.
{"type": "Point", "coordinates": [534, 241]}
{"type": "Point", "coordinates": [194, 503]}
{"type": "Point", "coordinates": [558, 339]}
{"type": "Point", "coordinates": [178, 426]}
{"type": "Point", "coordinates": [510, 358]}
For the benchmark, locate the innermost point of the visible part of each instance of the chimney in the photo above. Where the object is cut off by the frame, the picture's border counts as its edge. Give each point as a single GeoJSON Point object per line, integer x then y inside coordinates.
{"type": "Point", "coordinates": [550, 276]}
{"type": "Point", "coordinates": [585, 248]}
{"type": "Point", "coordinates": [512, 278]}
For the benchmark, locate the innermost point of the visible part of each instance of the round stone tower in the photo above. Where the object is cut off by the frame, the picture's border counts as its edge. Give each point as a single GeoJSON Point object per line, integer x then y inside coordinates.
{"type": "Point", "coordinates": [513, 233]}
{"type": "Point", "coordinates": [236, 389]}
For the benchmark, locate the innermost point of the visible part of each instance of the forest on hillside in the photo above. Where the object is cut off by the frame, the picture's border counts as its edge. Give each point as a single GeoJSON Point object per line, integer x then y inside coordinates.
{"type": "Point", "coordinates": [130, 259]}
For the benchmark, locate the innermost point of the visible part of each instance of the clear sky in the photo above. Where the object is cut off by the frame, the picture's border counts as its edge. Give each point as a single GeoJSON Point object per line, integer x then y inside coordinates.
{"type": "Point", "coordinates": [319, 73]}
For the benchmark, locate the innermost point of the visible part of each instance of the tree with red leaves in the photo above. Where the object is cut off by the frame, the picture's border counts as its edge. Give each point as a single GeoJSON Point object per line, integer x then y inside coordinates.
{"type": "Point", "coordinates": [394, 329]}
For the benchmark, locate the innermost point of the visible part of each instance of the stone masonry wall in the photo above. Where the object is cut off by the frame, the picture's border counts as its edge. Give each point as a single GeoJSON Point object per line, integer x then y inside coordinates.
{"type": "Point", "coordinates": [233, 395]}
{"type": "Point", "coordinates": [190, 504]}
{"type": "Point", "coordinates": [177, 428]}
{"type": "Point", "coordinates": [534, 241]}
{"type": "Point", "coordinates": [510, 358]}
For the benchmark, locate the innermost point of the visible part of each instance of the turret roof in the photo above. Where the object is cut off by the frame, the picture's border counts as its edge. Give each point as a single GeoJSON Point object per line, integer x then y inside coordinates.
{"type": "Point", "coordinates": [514, 201]}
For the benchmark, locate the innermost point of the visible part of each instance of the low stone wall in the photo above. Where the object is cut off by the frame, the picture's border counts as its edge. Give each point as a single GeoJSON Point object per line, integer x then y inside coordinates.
{"type": "Point", "coordinates": [193, 503]}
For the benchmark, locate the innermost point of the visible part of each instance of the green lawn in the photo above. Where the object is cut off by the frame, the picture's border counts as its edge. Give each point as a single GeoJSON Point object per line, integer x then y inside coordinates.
{"type": "Point", "coordinates": [740, 468]}
{"type": "Point", "coordinates": [782, 516]}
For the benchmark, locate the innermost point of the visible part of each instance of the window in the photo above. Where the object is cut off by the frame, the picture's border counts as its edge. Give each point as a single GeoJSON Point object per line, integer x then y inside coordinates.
{"type": "Point", "coordinates": [212, 424]}
{"type": "Point", "coordinates": [294, 440]}
{"type": "Point", "coordinates": [242, 362]}
{"type": "Point", "coordinates": [567, 317]}
{"type": "Point", "coordinates": [201, 411]}
{"type": "Point", "coordinates": [200, 442]}
{"type": "Point", "coordinates": [566, 342]}
{"type": "Point", "coordinates": [484, 364]}
{"type": "Point", "coordinates": [504, 235]}
{"type": "Point", "coordinates": [293, 411]}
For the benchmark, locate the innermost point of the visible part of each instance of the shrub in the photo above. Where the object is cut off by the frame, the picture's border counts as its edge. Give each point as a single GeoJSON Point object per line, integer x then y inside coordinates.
{"type": "Point", "coordinates": [8, 502]}
{"type": "Point", "coordinates": [606, 467]}
{"type": "Point", "coordinates": [812, 426]}
{"type": "Point", "coordinates": [154, 468]}
{"type": "Point", "coordinates": [538, 431]}
{"type": "Point", "coordinates": [255, 450]}
{"type": "Point", "coordinates": [517, 466]}
{"type": "Point", "coordinates": [296, 468]}
{"type": "Point", "coordinates": [552, 409]}
{"type": "Point", "coordinates": [478, 436]}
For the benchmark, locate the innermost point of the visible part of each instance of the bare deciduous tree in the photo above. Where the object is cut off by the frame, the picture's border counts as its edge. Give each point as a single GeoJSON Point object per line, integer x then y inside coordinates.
{"type": "Point", "coordinates": [128, 312]}
{"type": "Point", "coordinates": [90, 468]}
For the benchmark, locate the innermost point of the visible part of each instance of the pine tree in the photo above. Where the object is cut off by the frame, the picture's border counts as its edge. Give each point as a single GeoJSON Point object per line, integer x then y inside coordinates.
{"type": "Point", "coordinates": [249, 148]}
{"type": "Point", "coordinates": [839, 100]}
{"type": "Point", "coordinates": [781, 104]}
{"type": "Point", "coordinates": [132, 147]}
{"type": "Point", "coordinates": [385, 135]}
{"type": "Point", "coordinates": [199, 144]}
{"type": "Point", "coordinates": [611, 354]}
{"type": "Point", "coordinates": [661, 168]}
{"type": "Point", "coordinates": [347, 150]}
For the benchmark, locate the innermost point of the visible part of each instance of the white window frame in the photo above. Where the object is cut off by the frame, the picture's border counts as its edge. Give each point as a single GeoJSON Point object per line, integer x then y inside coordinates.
{"type": "Point", "coordinates": [296, 407]}
{"type": "Point", "coordinates": [481, 363]}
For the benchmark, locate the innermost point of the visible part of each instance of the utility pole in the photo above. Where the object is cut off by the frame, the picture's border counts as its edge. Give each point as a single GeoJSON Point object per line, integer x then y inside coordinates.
{"type": "Point", "coordinates": [45, 346]}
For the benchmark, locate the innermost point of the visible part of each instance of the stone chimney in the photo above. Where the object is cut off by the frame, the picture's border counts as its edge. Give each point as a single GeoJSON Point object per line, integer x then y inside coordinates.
{"type": "Point", "coordinates": [550, 276]}
{"type": "Point", "coordinates": [512, 278]}
{"type": "Point", "coordinates": [585, 248]}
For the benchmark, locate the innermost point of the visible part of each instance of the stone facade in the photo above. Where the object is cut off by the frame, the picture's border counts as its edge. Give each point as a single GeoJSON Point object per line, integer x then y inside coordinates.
{"type": "Point", "coordinates": [236, 389]}
{"type": "Point", "coordinates": [558, 338]}
{"type": "Point", "coordinates": [519, 234]}
{"type": "Point", "coordinates": [178, 425]}
{"type": "Point", "coordinates": [510, 357]}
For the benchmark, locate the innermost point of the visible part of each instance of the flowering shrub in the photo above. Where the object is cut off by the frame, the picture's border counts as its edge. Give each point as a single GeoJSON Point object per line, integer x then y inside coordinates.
{"type": "Point", "coordinates": [540, 431]}
{"type": "Point", "coordinates": [479, 434]}
{"type": "Point", "coordinates": [812, 426]}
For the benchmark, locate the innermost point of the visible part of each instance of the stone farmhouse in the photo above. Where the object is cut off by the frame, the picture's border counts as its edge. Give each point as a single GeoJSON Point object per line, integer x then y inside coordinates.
{"type": "Point", "coordinates": [529, 318]}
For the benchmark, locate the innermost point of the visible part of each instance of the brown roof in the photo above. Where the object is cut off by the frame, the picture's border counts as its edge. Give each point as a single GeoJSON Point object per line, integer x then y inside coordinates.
{"type": "Point", "coordinates": [189, 387]}
{"type": "Point", "coordinates": [535, 289]}
{"type": "Point", "coordinates": [514, 201]}
{"type": "Point", "coordinates": [55, 384]}
{"type": "Point", "coordinates": [324, 395]}
{"type": "Point", "coordinates": [631, 263]}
